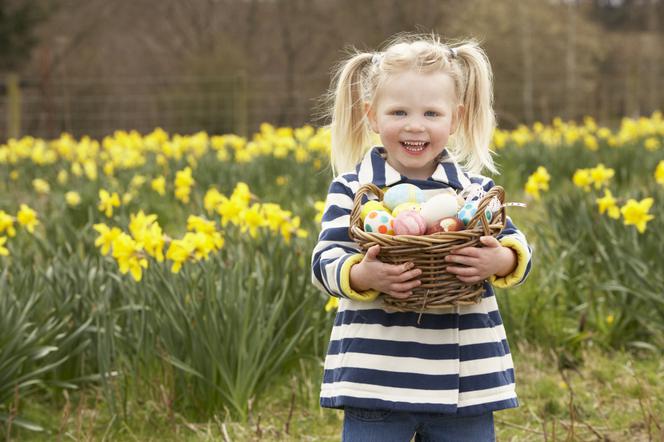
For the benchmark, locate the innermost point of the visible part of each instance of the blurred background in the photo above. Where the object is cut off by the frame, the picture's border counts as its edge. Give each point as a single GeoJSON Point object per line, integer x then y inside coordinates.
{"type": "Point", "coordinates": [224, 66]}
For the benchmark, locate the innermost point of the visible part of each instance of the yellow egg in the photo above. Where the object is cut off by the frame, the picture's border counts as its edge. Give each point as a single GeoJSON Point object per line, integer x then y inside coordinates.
{"type": "Point", "coordinates": [405, 206]}
{"type": "Point", "coordinates": [371, 205]}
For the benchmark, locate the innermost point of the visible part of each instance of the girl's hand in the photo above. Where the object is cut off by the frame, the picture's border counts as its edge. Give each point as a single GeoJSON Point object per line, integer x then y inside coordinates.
{"type": "Point", "coordinates": [394, 279]}
{"type": "Point", "coordinates": [479, 263]}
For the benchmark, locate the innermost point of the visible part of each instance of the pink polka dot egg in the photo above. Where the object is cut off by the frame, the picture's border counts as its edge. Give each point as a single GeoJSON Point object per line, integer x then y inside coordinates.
{"type": "Point", "coordinates": [379, 221]}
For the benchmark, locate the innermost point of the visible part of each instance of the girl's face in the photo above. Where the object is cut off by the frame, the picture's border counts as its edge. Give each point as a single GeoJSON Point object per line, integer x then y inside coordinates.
{"type": "Point", "coordinates": [415, 113]}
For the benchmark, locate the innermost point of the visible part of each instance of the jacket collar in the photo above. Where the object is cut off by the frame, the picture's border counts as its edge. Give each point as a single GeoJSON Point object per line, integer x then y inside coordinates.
{"type": "Point", "coordinates": [374, 169]}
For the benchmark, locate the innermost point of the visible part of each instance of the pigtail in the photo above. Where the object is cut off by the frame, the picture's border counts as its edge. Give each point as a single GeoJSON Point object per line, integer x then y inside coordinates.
{"type": "Point", "coordinates": [478, 120]}
{"type": "Point", "coordinates": [348, 127]}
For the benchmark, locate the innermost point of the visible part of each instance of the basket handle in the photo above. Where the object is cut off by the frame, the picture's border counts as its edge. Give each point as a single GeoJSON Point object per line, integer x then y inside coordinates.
{"type": "Point", "coordinates": [355, 219]}
{"type": "Point", "coordinates": [495, 191]}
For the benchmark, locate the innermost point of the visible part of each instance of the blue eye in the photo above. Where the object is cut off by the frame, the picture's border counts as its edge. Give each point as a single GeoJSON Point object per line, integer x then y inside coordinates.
{"type": "Point", "coordinates": [431, 114]}
{"type": "Point", "coordinates": [399, 113]}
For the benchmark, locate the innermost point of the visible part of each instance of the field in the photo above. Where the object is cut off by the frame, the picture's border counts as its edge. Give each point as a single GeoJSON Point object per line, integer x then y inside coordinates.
{"type": "Point", "coordinates": [157, 286]}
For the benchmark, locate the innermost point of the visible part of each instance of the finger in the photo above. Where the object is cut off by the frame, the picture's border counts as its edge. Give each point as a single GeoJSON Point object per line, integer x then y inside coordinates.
{"type": "Point", "coordinates": [461, 259]}
{"type": "Point", "coordinates": [372, 253]}
{"type": "Point", "coordinates": [467, 251]}
{"type": "Point", "coordinates": [470, 279]}
{"type": "Point", "coordinates": [407, 276]}
{"type": "Point", "coordinates": [463, 271]}
{"type": "Point", "coordinates": [398, 269]}
{"type": "Point", "coordinates": [400, 295]}
{"type": "Point", "coordinates": [489, 241]}
{"type": "Point", "coordinates": [404, 286]}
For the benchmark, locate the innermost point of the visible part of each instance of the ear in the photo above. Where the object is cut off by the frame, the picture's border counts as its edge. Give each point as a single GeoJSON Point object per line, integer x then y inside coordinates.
{"type": "Point", "coordinates": [371, 116]}
{"type": "Point", "coordinates": [457, 116]}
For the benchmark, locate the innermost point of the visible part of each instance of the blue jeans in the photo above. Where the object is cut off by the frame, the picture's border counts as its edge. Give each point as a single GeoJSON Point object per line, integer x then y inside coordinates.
{"type": "Point", "coordinates": [395, 426]}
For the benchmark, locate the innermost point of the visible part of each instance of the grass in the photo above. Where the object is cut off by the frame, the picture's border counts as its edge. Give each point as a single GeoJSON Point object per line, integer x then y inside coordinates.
{"type": "Point", "coordinates": [610, 397]}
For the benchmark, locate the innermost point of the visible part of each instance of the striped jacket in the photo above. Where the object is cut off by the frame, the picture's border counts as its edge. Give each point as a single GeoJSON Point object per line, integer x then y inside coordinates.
{"type": "Point", "coordinates": [455, 361]}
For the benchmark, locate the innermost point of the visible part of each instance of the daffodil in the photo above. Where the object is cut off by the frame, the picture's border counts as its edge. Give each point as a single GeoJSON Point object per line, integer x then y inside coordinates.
{"type": "Point", "coordinates": [582, 179]}
{"type": "Point", "coordinates": [636, 213]}
{"type": "Point", "coordinates": [179, 251]}
{"type": "Point", "coordinates": [212, 200]}
{"type": "Point", "coordinates": [106, 237]}
{"type": "Point", "coordinates": [252, 219]}
{"type": "Point", "coordinates": [72, 198]}
{"type": "Point", "coordinates": [659, 173]}
{"type": "Point", "coordinates": [320, 208]}
{"type": "Point", "coordinates": [230, 210]}
{"type": "Point", "coordinates": [3, 250]}
{"type": "Point", "coordinates": [129, 256]}
{"type": "Point", "coordinates": [159, 185]}
{"type": "Point", "coordinates": [7, 224]}
{"type": "Point", "coordinates": [608, 204]}
{"type": "Point", "coordinates": [41, 186]}
{"type": "Point", "coordinates": [27, 217]}
{"type": "Point", "coordinates": [202, 225]}
{"type": "Point", "coordinates": [107, 201]}
{"type": "Point", "coordinates": [600, 175]}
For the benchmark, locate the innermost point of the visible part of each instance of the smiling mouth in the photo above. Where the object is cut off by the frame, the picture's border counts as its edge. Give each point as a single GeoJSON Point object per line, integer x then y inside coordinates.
{"type": "Point", "coordinates": [414, 146]}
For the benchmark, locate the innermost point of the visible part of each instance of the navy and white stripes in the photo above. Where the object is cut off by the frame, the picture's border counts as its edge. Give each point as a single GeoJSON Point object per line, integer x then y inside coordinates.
{"type": "Point", "coordinates": [456, 361]}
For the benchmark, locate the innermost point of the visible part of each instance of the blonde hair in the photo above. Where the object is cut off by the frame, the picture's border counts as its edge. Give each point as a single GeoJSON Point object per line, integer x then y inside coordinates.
{"type": "Point", "coordinates": [358, 79]}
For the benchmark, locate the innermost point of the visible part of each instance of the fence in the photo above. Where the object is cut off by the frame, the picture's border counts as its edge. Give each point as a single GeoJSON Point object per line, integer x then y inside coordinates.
{"type": "Point", "coordinates": [239, 103]}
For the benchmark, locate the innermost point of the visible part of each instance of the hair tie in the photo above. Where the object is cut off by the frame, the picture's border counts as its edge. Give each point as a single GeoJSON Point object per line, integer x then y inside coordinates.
{"type": "Point", "coordinates": [377, 57]}
{"type": "Point", "coordinates": [453, 52]}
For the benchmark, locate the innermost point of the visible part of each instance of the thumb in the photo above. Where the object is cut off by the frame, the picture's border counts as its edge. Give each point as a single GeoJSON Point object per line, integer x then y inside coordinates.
{"type": "Point", "coordinates": [489, 241]}
{"type": "Point", "coordinates": [372, 253]}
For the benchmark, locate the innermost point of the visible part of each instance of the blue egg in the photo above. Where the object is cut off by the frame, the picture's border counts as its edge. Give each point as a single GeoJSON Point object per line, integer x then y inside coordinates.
{"type": "Point", "coordinates": [403, 193]}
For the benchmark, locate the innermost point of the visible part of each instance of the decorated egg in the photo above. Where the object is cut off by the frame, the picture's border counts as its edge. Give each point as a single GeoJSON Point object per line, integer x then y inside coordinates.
{"type": "Point", "coordinates": [406, 206]}
{"type": "Point", "coordinates": [439, 207]}
{"type": "Point", "coordinates": [468, 211]}
{"type": "Point", "coordinates": [402, 193]}
{"type": "Point", "coordinates": [473, 192]}
{"type": "Point", "coordinates": [379, 221]}
{"type": "Point", "coordinates": [369, 206]}
{"type": "Point", "coordinates": [409, 222]}
{"type": "Point", "coordinates": [449, 224]}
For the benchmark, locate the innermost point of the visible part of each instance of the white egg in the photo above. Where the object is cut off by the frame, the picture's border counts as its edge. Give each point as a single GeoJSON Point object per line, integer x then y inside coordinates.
{"type": "Point", "coordinates": [439, 207]}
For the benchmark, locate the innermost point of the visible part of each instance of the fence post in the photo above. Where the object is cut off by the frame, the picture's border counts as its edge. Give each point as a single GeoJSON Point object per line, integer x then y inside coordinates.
{"type": "Point", "coordinates": [240, 104]}
{"type": "Point", "coordinates": [13, 106]}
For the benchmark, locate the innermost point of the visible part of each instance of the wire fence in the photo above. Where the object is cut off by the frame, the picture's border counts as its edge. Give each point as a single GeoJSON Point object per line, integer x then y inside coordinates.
{"type": "Point", "coordinates": [239, 104]}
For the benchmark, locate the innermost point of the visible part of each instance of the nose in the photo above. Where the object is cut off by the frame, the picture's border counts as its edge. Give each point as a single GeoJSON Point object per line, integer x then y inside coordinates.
{"type": "Point", "coordinates": [414, 126]}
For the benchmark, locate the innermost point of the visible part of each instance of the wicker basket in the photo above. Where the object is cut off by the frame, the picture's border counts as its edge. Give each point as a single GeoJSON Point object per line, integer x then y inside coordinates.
{"type": "Point", "coordinates": [439, 289]}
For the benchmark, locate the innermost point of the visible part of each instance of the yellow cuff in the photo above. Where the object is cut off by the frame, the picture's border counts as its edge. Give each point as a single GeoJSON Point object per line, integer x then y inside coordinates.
{"type": "Point", "coordinates": [519, 272]}
{"type": "Point", "coordinates": [344, 282]}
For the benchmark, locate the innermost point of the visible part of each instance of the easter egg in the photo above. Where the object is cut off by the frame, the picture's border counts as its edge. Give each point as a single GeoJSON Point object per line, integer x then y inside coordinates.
{"type": "Point", "coordinates": [369, 206]}
{"type": "Point", "coordinates": [439, 207]}
{"type": "Point", "coordinates": [449, 224]}
{"type": "Point", "coordinates": [404, 207]}
{"type": "Point", "coordinates": [467, 212]}
{"type": "Point", "coordinates": [402, 193]}
{"type": "Point", "coordinates": [409, 222]}
{"type": "Point", "coordinates": [379, 221]}
{"type": "Point", "coordinates": [474, 192]}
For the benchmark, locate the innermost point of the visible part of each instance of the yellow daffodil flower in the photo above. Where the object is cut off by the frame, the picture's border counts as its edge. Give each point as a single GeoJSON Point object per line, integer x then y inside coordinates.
{"type": "Point", "coordinates": [7, 224]}
{"type": "Point", "coordinates": [608, 204]}
{"type": "Point", "coordinates": [3, 250]}
{"type": "Point", "coordinates": [27, 217]}
{"type": "Point", "coordinates": [332, 304]}
{"type": "Point", "coordinates": [636, 213]}
{"type": "Point", "coordinates": [159, 185]}
{"type": "Point", "coordinates": [72, 198]}
{"type": "Point", "coordinates": [252, 219]}
{"type": "Point", "coordinates": [41, 186]}
{"type": "Point", "coordinates": [582, 179]}
{"type": "Point", "coordinates": [106, 237]}
{"type": "Point", "coordinates": [107, 201]}
{"type": "Point", "coordinates": [129, 255]}
{"type": "Point", "coordinates": [600, 175]}
{"type": "Point", "coordinates": [659, 173]}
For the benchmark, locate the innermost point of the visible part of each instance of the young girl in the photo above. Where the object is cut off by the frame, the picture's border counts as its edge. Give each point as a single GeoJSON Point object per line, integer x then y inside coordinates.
{"type": "Point", "coordinates": [440, 378]}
